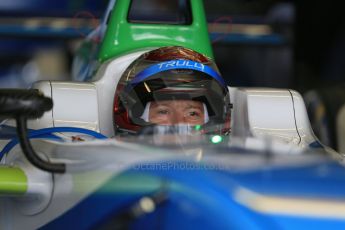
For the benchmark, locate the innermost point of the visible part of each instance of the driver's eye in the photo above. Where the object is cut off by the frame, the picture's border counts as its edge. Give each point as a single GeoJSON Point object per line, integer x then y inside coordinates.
{"type": "Point", "coordinates": [193, 113]}
{"type": "Point", "coordinates": [163, 112]}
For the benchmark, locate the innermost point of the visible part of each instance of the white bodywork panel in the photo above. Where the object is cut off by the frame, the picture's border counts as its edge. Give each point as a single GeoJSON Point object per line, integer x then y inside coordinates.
{"type": "Point", "coordinates": [85, 104]}
{"type": "Point", "coordinates": [302, 120]}
{"type": "Point", "coordinates": [75, 105]}
{"type": "Point", "coordinates": [274, 113]}
{"type": "Point", "coordinates": [257, 112]}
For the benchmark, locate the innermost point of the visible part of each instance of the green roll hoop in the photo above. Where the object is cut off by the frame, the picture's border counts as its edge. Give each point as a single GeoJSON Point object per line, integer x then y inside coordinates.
{"type": "Point", "coordinates": [123, 36]}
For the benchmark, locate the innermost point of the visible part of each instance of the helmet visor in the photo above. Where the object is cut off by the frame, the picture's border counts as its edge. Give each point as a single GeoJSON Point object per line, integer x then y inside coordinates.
{"type": "Point", "coordinates": [177, 92]}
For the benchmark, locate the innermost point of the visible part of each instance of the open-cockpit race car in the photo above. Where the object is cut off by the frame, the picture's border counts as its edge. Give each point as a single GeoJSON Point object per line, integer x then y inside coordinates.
{"type": "Point", "coordinates": [99, 152]}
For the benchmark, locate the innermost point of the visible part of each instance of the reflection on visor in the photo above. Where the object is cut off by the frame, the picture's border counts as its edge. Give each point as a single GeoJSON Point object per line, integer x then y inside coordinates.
{"type": "Point", "coordinates": [172, 135]}
{"type": "Point", "coordinates": [180, 129]}
{"type": "Point", "coordinates": [179, 135]}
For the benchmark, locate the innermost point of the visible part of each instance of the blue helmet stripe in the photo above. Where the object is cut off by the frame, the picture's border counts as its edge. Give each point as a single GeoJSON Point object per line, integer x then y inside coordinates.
{"type": "Point", "coordinates": [175, 64]}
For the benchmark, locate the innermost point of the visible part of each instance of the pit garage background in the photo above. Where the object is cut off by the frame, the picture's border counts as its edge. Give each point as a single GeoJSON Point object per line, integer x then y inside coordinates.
{"type": "Point", "coordinates": [263, 43]}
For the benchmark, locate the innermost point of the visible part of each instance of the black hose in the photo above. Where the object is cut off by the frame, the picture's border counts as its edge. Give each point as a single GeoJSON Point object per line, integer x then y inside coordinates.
{"type": "Point", "coordinates": [30, 154]}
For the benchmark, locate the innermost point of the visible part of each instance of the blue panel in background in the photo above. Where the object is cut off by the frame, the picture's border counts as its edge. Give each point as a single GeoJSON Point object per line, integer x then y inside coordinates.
{"type": "Point", "coordinates": [51, 8]}
{"type": "Point", "coordinates": [45, 32]}
{"type": "Point", "coordinates": [17, 47]}
{"type": "Point", "coordinates": [270, 39]}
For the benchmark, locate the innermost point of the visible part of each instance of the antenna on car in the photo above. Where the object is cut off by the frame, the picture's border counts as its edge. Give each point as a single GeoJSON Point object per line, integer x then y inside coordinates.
{"type": "Point", "coordinates": [23, 104]}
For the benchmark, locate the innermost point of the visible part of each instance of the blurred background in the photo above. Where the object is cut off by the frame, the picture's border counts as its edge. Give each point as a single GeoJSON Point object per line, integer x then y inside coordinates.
{"type": "Point", "coordinates": [262, 43]}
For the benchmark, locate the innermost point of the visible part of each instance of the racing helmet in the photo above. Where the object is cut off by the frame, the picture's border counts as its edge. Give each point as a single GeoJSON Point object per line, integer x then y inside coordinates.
{"type": "Point", "coordinates": [171, 73]}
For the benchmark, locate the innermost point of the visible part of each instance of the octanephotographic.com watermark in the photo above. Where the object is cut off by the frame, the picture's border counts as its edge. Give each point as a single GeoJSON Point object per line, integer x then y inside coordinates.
{"type": "Point", "coordinates": [179, 166]}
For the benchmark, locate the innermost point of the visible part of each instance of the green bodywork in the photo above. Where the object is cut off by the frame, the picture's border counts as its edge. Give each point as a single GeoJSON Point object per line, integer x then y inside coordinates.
{"type": "Point", "coordinates": [122, 37]}
{"type": "Point", "coordinates": [13, 181]}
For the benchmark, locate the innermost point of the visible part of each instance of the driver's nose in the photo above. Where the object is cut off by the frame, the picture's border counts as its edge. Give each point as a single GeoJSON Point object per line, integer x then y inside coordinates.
{"type": "Point", "coordinates": [177, 118]}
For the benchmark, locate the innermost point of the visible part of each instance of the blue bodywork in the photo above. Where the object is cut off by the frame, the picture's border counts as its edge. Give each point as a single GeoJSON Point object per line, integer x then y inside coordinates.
{"type": "Point", "coordinates": [208, 199]}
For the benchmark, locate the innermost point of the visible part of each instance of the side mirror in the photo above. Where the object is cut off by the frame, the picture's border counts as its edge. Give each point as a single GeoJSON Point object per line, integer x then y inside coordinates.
{"type": "Point", "coordinates": [21, 105]}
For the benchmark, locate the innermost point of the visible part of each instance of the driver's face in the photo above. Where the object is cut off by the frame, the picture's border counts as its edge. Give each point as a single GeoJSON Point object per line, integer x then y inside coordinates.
{"type": "Point", "coordinates": [172, 112]}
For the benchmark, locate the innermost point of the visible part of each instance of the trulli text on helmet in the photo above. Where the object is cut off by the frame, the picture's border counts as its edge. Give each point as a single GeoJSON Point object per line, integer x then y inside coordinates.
{"type": "Point", "coordinates": [181, 64]}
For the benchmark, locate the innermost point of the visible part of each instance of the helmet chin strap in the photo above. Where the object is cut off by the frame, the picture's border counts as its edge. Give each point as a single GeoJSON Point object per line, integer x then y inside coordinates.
{"type": "Point", "coordinates": [145, 115]}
